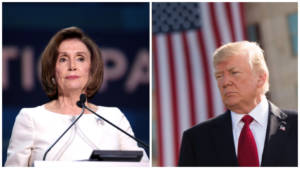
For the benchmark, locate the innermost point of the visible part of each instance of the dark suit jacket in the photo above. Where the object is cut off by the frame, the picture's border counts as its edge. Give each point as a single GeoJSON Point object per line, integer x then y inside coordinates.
{"type": "Point", "coordinates": [211, 143]}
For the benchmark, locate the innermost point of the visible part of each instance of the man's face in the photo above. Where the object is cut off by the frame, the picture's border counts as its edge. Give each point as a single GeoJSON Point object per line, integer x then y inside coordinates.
{"type": "Point", "coordinates": [237, 82]}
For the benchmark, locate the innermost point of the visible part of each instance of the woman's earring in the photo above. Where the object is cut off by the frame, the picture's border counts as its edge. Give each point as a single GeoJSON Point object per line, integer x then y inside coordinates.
{"type": "Point", "coordinates": [53, 80]}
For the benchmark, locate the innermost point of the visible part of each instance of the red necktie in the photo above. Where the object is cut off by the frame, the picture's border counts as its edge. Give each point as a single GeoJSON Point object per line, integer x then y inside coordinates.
{"type": "Point", "coordinates": [247, 151]}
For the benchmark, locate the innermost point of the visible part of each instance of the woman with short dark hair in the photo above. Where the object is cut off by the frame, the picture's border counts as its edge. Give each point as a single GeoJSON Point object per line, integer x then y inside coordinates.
{"type": "Point", "coordinates": [71, 65]}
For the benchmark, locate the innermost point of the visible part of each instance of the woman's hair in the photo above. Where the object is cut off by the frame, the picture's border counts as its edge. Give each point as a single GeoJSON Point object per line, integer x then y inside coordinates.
{"type": "Point", "coordinates": [49, 58]}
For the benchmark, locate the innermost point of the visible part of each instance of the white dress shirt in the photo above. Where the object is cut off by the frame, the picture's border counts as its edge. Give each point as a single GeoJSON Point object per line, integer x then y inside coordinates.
{"type": "Point", "coordinates": [35, 129]}
{"type": "Point", "coordinates": [258, 126]}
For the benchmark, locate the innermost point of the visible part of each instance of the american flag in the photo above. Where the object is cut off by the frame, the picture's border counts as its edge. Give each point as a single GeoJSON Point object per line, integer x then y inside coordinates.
{"type": "Point", "coordinates": [185, 36]}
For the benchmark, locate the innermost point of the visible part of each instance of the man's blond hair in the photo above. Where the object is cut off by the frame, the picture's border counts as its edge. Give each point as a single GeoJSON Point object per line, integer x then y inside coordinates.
{"type": "Point", "coordinates": [256, 57]}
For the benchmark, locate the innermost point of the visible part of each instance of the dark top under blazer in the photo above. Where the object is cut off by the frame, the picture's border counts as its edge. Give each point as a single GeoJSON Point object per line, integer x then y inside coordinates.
{"type": "Point", "coordinates": [211, 143]}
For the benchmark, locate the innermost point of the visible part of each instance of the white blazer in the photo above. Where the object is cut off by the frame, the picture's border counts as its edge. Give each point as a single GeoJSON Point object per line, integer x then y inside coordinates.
{"type": "Point", "coordinates": [35, 129]}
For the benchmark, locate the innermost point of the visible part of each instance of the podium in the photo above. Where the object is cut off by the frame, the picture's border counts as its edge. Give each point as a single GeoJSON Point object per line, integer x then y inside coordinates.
{"type": "Point", "coordinates": [85, 164]}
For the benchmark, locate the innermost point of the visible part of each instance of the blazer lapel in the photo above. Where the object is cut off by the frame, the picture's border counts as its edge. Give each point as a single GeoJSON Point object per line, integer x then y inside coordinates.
{"type": "Point", "coordinates": [224, 141]}
{"type": "Point", "coordinates": [275, 129]}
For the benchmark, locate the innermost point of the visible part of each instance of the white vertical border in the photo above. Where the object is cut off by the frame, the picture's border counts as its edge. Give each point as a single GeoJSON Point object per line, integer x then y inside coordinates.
{"type": "Point", "coordinates": [150, 86]}
{"type": "Point", "coordinates": [1, 110]}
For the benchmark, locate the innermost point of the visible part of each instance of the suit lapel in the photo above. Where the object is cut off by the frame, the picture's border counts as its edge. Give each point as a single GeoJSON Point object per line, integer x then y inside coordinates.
{"type": "Point", "coordinates": [276, 129]}
{"type": "Point", "coordinates": [224, 141]}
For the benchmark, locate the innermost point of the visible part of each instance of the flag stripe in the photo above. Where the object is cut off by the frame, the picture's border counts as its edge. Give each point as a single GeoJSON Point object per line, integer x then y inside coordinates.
{"type": "Point", "coordinates": [208, 93]}
{"type": "Point", "coordinates": [214, 24]}
{"type": "Point", "coordinates": [222, 23]}
{"type": "Point", "coordinates": [190, 79]}
{"type": "Point", "coordinates": [198, 75]}
{"type": "Point", "coordinates": [207, 28]}
{"type": "Point", "coordinates": [167, 109]}
{"type": "Point", "coordinates": [158, 101]}
{"type": "Point", "coordinates": [238, 21]}
{"type": "Point", "coordinates": [173, 96]}
{"type": "Point", "coordinates": [242, 19]}
{"type": "Point", "coordinates": [230, 20]}
{"type": "Point", "coordinates": [181, 72]}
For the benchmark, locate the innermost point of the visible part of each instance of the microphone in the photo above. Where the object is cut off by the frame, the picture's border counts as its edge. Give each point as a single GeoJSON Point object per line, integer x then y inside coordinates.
{"type": "Point", "coordinates": [81, 101]}
{"type": "Point", "coordinates": [81, 104]}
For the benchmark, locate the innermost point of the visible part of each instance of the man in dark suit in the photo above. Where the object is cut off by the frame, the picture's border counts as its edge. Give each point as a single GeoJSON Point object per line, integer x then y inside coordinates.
{"type": "Point", "coordinates": [253, 131]}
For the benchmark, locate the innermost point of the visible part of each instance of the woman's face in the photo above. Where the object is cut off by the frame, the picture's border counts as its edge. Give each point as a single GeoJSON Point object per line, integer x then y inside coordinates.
{"type": "Point", "coordinates": [72, 66]}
